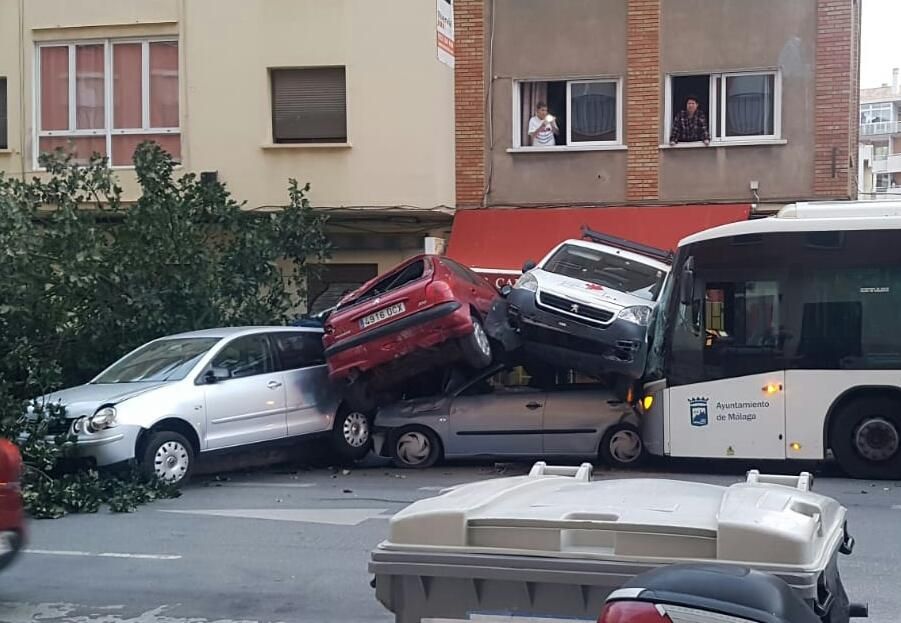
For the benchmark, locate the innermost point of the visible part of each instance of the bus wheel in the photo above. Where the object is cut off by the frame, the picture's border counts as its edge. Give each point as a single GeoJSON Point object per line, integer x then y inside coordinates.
{"type": "Point", "coordinates": [866, 438]}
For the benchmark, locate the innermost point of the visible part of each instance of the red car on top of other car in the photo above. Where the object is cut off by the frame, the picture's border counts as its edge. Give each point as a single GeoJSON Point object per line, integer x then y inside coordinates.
{"type": "Point", "coordinates": [12, 517]}
{"type": "Point", "coordinates": [427, 312]}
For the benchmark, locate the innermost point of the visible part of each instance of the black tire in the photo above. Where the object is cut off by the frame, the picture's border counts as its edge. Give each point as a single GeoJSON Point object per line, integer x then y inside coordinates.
{"type": "Point", "coordinates": [352, 434]}
{"type": "Point", "coordinates": [621, 446]}
{"type": "Point", "coordinates": [476, 347]}
{"type": "Point", "coordinates": [168, 456]}
{"type": "Point", "coordinates": [415, 447]}
{"type": "Point", "coordinates": [866, 438]}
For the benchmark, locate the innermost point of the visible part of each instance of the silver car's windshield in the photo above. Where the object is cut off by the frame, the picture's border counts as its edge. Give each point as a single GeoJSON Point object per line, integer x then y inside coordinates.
{"type": "Point", "coordinates": [610, 271]}
{"type": "Point", "coordinates": [160, 361]}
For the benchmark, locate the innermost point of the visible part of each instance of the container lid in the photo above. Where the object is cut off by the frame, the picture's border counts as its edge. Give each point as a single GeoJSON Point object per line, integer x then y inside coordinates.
{"type": "Point", "coordinates": [560, 512]}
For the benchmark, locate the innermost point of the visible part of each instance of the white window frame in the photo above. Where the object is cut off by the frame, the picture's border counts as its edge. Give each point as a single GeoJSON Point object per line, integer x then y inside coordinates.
{"type": "Point", "coordinates": [718, 106]}
{"type": "Point", "coordinates": [873, 106]}
{"type": "Point", "coordinates": [570, 146]}
{"type": "Point", "coordinates": [108, 131]}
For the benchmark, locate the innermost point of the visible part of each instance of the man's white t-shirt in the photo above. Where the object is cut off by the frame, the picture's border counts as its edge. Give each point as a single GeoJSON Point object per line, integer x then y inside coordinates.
{"type": "Point", "coordinates": [545, 134]}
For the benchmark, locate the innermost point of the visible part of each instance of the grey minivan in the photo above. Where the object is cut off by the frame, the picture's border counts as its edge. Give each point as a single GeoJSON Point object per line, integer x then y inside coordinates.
{"type": "Point", "coordinates": [505, 412]}
{"type": "Point", "coordinates": [178, 396]}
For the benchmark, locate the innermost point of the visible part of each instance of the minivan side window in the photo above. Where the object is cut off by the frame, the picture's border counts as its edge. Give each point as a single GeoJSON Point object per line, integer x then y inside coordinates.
{"type": "Point", "coordinates": [245, 356]}
{"type": "Point", "coordinates": [299, 350]}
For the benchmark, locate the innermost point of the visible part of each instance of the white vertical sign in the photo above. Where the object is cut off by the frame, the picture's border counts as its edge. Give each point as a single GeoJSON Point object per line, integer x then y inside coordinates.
{"type": "Point", "coordinates": [446, 32]}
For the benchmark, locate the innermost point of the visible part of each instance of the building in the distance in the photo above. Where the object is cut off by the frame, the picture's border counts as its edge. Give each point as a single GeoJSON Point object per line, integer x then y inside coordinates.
{"type": "Point", "coordinates": [355, 97]}
{"type": "Point", "coordinates": [880, 130]}
{"type": "Point", "coordinates": [777, 81]}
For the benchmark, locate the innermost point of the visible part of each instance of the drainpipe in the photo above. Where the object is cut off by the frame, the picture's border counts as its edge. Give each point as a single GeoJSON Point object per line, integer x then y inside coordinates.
{"type": "Point", "coordinates": [895, 85]}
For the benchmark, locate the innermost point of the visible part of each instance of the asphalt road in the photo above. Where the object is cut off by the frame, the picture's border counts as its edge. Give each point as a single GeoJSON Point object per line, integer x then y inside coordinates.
{"type": "Point", "coordinates": [292, 545]}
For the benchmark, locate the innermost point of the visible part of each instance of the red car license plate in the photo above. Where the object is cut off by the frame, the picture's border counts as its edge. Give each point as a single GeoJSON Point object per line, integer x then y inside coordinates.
{"type": "Point", "coordinates": [382, 315]}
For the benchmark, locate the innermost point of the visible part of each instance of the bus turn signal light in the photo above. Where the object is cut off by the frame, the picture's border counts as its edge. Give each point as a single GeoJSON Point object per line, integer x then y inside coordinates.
{"type": "Point", "coordinates": [647, 402]}
{"type": "Point", "coordinates": [772, 388]}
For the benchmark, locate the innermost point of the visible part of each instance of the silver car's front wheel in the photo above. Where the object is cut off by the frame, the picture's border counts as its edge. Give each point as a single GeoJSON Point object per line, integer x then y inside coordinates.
{"type": "Point", "coordinates": [171, 462]}
{"type": "Point", "coordinates": [167, 456]}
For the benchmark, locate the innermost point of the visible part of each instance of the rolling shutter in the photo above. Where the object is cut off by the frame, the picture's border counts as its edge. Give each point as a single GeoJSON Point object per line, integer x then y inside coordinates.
{"type": "Point", "coordinates": [309, 105]}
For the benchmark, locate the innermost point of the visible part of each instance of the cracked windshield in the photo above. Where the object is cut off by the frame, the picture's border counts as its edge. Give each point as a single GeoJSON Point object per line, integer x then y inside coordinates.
{"type": "Point", "coordinates": [447, 311]}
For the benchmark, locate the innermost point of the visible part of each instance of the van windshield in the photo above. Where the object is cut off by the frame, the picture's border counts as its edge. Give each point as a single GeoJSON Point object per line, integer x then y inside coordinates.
{"type": "Point", "coordinates": [607, 270]}
{"type": "Point", "coordinates": [158, 362]}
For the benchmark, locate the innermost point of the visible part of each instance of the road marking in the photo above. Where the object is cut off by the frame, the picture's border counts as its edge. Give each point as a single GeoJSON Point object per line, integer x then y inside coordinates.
{"type": "Point", "coordinates": [15, 612]}
{"type": "Point", "coordinates": [265, 485]}
{"type": "Point", "coordinates": [432, 488]}
{"type": "Point", "coordinates": [67, 552]}
{"type": "Point", "coordinates": [327, 516]}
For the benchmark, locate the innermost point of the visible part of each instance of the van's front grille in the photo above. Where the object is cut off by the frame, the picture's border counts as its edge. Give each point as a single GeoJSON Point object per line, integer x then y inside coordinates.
{"type": "Point", "coordinates": [558, 303]}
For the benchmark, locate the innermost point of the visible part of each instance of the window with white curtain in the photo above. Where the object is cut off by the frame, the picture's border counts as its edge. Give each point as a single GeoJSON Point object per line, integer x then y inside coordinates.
{"type": "Point", "coordinates": [107, 97]}
{"type": "Point", "coordinates": [740, 106]}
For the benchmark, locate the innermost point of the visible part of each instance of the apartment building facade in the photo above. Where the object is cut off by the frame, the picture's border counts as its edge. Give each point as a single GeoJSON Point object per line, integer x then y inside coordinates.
{"type": "Point", "coordinates": [880, 137]}
{"type": "Point", "coordinates": [348, 95]}
{"type": "Point", "coordinates": [777, 81]}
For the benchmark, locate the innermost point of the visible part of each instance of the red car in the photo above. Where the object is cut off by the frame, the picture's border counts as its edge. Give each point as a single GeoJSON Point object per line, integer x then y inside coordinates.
{"type": "Point", "coordinates": [12, 519]}
{"type": "Point", "coordinates": [427, 312]}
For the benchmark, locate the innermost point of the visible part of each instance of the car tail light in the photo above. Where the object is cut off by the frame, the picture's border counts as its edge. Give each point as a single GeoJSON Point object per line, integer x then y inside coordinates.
{"type": "Point", "coordinates": [633, 612]}
{"type": "Point", "coordinates": [10, 464]}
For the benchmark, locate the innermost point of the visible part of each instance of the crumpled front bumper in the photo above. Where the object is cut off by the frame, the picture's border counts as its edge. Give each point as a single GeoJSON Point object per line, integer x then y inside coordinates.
{"type": "Point", "coordinates": [519, 324]}
{"type": "Point", "coordinates": [109, 447]}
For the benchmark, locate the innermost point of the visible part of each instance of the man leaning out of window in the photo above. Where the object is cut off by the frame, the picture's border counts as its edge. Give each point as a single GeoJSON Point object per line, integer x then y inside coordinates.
{"type": "Point", "coordinates": [690, 124]}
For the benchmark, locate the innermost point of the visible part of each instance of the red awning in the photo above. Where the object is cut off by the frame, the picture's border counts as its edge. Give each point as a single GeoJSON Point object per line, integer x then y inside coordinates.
{"type": "Point", "coordinates": [497, 241]}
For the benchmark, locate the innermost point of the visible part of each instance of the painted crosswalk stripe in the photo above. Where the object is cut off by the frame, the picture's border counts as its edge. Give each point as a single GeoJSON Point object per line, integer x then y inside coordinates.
{"type": "Point", "coordinates": [66, 552]}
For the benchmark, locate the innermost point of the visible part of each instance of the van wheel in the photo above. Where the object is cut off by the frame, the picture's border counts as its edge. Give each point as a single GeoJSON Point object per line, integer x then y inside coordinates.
{"type": "Point", "coordinates": [167, 456]}
{"type": "Point", "coordinates": [415, 447]}
{"type": "Point", "coordinates": [476, 346]}
{"type": "Point", "coordinates": [866, 438]}
{"type": "Point", "coordinates": [351, 434]}
{"type": "Point", "coordinates": [621, 446]}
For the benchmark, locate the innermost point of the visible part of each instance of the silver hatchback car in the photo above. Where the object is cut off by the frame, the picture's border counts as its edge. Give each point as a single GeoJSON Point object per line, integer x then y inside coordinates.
{"type": "Point", "coordinates": [503, 412]}
{"type": "Point", "coordinates": [178, 396]}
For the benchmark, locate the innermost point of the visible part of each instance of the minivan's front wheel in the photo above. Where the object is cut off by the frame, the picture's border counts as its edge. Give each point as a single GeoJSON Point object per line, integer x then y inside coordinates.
{"type": "Point", "coordinates": [167, 456]}
{"type": "Point", "coordinates": [415, 447]}
{"type": "Point", "coordinates": [477, 347]}
{"type": "Point", "coordinates": [622, 446]}
{"type": "Point", "coordinates": [351, 434]}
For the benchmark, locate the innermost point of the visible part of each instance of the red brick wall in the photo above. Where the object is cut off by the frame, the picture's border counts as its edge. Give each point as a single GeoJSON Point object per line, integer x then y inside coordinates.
{"type": "Point", "coordinates": [469, 97]}
{"type": "Point", "coordinates": [643, 112]}
{"type": "Point", "coordinates": [855, 100]}
{"type": "Point", "coordinates": [836, 93]}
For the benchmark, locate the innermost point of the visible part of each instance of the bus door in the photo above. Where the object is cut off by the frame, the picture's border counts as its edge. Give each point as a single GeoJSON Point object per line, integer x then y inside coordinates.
{"type": "Point", "coordinates": [726, 396]}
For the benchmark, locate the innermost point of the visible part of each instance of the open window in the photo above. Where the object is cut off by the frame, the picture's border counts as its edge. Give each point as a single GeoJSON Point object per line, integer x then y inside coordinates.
{"type": "Point", "coordinates": [739, 106]}
{"type": "Point", "coordinates": [586, 112]}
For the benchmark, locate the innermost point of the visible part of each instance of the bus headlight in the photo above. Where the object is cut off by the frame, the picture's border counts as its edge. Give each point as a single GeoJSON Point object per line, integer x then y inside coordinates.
{"type": "Point", "coordinates": [640, 315]}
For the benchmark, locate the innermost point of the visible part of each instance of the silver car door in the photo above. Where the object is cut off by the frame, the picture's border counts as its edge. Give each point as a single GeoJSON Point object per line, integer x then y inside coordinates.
{"type": "Point", "coordinates": [246, 403]}
{"type": "Point", "coordinates": [576, 417]}
{"type": "Point", "coordinates": [505, 420]}
{"type": "Point", "coordinates": [310, 399]}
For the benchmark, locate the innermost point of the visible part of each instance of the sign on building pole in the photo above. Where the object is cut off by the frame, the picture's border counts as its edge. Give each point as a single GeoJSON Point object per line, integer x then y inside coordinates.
{"type": "Point", "coordinates": [446, 32]}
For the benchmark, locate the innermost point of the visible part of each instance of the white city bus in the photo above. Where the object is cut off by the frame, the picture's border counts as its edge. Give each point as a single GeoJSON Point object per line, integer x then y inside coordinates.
{"type": "Point", "coordinates": [780, 338]}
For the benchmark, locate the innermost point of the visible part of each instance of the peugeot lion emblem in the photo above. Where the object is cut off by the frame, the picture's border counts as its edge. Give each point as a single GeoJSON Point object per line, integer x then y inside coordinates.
{"type": "Point", "coordinates": [574, 308]}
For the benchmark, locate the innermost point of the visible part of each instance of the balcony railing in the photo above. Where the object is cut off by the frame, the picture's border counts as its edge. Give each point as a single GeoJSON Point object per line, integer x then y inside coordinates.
{"type": "Point", "coordinates": [892, 164]}
{"type": "Point", "coordinates": [883, 127]}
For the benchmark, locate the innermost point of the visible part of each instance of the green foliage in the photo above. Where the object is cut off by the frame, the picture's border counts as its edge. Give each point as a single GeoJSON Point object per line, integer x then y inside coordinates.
{"type": "Point", "coordinates": [85, 277]}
